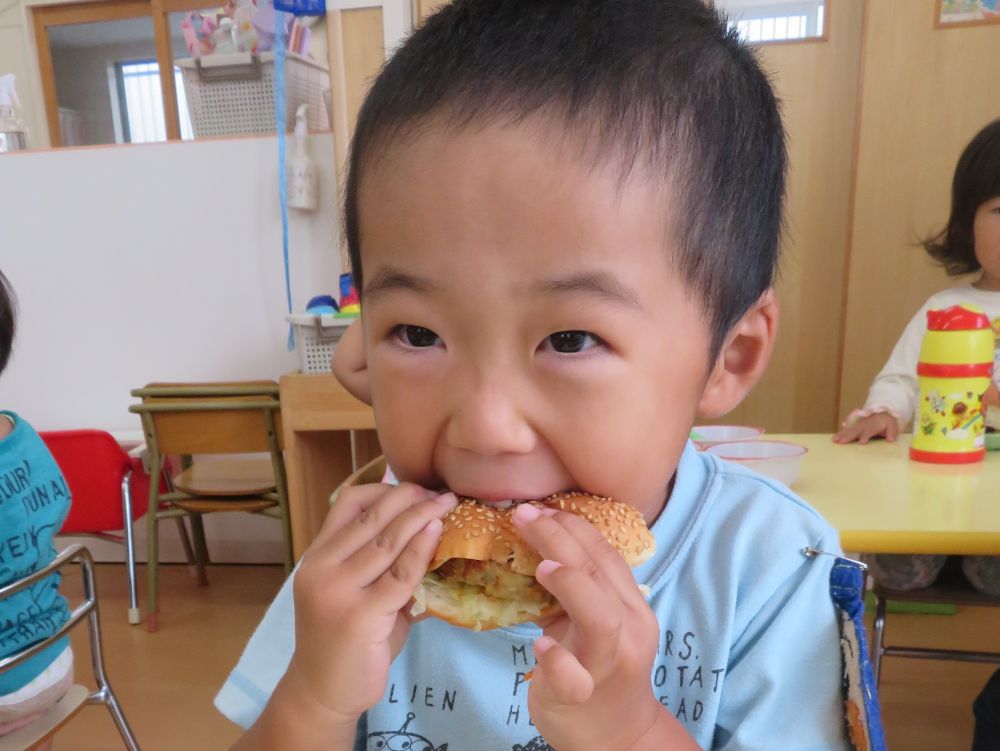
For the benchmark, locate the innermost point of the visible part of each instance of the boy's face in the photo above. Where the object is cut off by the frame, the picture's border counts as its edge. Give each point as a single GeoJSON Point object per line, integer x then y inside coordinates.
{"type": "Point", "coordinates": [525, 331]}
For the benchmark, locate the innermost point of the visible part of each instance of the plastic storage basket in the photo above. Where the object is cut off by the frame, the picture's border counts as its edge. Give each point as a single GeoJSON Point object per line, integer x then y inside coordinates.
{"type": "Point", "coordinates": [315, 339]}
{"type": "Point", "coordinates": [234, 93]}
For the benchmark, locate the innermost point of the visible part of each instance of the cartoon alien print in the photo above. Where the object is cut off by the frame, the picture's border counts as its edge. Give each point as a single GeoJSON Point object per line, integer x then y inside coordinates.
{"type": "Point", "coordinates": [535, 744]}
{"type": "Point", "coordinates": [401, 740]}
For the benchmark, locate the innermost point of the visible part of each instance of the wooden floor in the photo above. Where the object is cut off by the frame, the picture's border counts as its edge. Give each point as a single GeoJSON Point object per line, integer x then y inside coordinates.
{"type": "Point", "coordinates": [166, 681]}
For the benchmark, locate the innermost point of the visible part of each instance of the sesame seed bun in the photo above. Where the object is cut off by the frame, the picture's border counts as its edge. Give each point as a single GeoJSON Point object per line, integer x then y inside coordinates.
{"type": "Point", "coordinates": [482, 574]}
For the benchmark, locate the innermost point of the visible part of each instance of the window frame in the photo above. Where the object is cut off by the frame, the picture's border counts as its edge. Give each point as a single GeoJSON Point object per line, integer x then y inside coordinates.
{"type": "Point", "coordinates": [44, 17]}
{"type": "Point", "coordinates": [824, 37]}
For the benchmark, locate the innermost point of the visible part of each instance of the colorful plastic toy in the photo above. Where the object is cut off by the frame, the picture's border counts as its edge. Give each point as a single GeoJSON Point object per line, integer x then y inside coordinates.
{"type": "Point", "coordinates": [323, 305]}
{"type": "Point", "coordinates": [350, 303]}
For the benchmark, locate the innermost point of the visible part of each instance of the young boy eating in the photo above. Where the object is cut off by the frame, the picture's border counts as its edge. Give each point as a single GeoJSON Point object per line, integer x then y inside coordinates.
{"type": "Point", "coordinates": [563, 217]}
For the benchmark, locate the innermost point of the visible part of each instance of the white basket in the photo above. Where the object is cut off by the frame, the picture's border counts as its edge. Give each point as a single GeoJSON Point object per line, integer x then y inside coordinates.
{"type": "Point", "coordinates": [315, 339]}
{"type": "Point", "coordinates": [233, 94]}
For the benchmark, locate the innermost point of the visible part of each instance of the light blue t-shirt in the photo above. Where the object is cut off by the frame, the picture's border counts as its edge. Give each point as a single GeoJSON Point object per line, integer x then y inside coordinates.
{"type": "Point", "coordinates": [749, 654]}
{"type": "Point", "coordinates": [34, 501]}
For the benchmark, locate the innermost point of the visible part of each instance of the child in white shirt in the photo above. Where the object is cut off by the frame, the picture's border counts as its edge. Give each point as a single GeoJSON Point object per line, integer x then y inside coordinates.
{"type": "Point", "coordinates": [969, 243]}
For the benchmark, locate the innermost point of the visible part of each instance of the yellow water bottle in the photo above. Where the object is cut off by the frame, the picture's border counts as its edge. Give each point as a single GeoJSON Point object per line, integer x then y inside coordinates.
{"type": "Point", "coordinates": [956, 362]}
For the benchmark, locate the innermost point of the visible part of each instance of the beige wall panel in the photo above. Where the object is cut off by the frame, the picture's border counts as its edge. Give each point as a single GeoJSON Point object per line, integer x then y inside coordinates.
{"type": "Point", "coordinates": [364, 53]}
{"type": "Point", "coordinates": [426, 7]}
{"type": "Point", "coordinates": [817, 83]}
{"type": "Point", "coordinates": [925, 94]}
{"type": "Point", "coordinates": [356, 52]}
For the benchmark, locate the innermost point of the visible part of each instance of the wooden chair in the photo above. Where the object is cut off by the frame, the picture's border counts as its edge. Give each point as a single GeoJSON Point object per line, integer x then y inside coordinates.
{"type": "Point", "coordinates": [951, 587]}
{"type": "Point", "coordinates": [372, 472]}
{"type": "Point", "coordinates": [67, 707]}
{"type": "Point", "coordinates": [212, 419]}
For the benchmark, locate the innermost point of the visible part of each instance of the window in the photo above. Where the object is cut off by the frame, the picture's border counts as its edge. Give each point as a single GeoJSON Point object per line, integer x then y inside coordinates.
{"type": "Point", "coordinates": [138, 91]}
{"type": "Point", "coordinates": [775, 20]}
{"type": "Point", "coordinates": [122, 71]}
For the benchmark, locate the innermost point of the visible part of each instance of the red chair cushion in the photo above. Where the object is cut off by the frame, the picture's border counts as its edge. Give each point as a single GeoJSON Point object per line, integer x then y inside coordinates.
{"type": "Point", "coordinates": [94, 464]}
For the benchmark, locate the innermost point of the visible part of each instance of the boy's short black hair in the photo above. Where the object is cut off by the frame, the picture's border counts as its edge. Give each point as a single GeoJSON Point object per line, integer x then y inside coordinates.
{"type": "Point", "coordinates": [976, 181]}
{"type": "Point", "coordinates": [8, 320]}
{"type": "Point", "coordinates": [662, 88]}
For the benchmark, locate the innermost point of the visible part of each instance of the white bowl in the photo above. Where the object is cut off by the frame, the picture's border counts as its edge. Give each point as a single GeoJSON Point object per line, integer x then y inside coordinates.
{"type": "Point", "coordinates": [709, 434]}
{"type": "Point", "coordinates": [778, 459]}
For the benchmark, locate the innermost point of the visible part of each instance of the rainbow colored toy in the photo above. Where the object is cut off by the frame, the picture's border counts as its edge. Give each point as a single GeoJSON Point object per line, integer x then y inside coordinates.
{"type": "Point", "coordinates": [350, 304]}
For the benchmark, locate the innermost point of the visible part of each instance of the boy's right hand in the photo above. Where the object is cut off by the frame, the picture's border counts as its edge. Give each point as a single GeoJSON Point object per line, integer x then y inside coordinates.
{"type": "Point", "coordinates": [351, 590]}
{"type": "Point", "coordinates": [875, 425]}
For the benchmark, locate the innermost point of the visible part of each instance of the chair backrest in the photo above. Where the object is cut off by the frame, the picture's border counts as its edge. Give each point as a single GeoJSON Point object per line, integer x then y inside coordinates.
{"type": "Point", "coordinates": [229, 418]}
{"type": "Point", "coordinates": [372, 472]}
{"type": "Point", "coordinates": [93, 464]}
{"type": "Point", "coordinates": [85, 612]}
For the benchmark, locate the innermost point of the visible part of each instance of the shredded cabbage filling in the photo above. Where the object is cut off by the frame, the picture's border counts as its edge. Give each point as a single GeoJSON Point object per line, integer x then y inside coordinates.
{"type": "Point", "coordinates": [481, 592]}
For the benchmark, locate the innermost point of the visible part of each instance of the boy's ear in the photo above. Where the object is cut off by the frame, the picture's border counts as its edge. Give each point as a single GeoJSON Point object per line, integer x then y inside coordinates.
{"type": "Point", "coordinates": [350, 365]}
{"type": "Point", "coordinates": [742, 359]}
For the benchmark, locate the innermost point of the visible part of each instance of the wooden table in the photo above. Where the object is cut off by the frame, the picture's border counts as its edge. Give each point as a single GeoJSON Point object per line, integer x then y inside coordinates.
{"type": "Point", "coordinates": [319, 419]}
{"type": "Point", "coordinates": [884, 503]}
{"type": "Point", "coordinates": [879, 500]}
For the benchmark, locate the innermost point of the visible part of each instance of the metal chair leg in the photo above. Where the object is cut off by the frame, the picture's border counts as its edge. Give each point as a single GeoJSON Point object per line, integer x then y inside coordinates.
{"type": "Point", "coordinates": [200, 548]}
{"type": "Point", "coordinates": [878, 645]}
{"type": "Point", "coordinates": [152, 561]}
{"type": "Point", "coordinates": [186, 543]}
{"type": "Point", "coordinates": [104, 695]}
{"type": "Point", "coordinates": [134, 616]}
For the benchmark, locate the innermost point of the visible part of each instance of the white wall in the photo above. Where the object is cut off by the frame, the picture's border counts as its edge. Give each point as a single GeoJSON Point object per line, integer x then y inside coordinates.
{"type": "Point", "coordinates": [151, 262]}
{"type": "Point", "coordinates": [154, 262]}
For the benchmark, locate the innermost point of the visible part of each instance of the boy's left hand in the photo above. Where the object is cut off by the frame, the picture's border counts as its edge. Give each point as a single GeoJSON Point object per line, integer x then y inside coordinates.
{"type": "Point", "coordinates": [592, 685]}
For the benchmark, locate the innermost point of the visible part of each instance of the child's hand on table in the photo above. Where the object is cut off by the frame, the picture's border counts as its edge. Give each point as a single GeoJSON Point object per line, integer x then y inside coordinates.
{"type": "Point", "coordinates": [591, 687]}
{"type": "Point", "coordinates": [875, 425]}
{"type": "Point", "coordinates": [351, 593]}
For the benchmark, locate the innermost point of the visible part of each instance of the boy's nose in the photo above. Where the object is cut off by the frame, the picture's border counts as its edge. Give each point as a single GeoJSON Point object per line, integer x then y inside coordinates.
{"type": "Point", "coordinates": [487, 421]}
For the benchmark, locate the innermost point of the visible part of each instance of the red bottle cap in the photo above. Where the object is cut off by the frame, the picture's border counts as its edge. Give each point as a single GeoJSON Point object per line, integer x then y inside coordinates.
{"type": "Point", "coordinates": [956, 318]}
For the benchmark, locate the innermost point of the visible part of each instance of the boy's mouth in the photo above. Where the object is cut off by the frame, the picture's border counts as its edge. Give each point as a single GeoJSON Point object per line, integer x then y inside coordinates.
{"type": "Point", "coordinates": [504, 503]}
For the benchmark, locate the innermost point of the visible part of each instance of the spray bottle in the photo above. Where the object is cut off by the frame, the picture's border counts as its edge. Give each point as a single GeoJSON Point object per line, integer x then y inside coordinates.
{"type": "Point", "coordinates": [301, 173]}
{"type": "Point", "coordinates": [12, 137]}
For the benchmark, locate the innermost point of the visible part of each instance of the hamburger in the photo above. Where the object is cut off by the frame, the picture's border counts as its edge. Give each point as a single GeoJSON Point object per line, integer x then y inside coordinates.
{"type": "Point", "coordinates": [483, 574]}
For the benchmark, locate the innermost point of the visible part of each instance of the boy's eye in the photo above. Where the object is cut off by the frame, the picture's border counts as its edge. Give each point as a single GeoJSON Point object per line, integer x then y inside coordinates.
{"type": "Point", "coordinates": [570, 342]}
{"type": "Point", "coordinates": [416, 336]}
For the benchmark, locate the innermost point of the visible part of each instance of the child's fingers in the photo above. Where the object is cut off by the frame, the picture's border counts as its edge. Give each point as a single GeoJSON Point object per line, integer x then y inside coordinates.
{"type": "Point", "coordinates": [350, 503]}
{"type": "Point", "coordinates": [371, 520]}
{"type": "Point", "coordinates": [387, 543]}
{"type": "Point", "coordinates": [892, 431]}
{"type": "Point", "coordinates": [594, 608]}
{"type": "Point", "coordinates": [394, 587]}
{"type": "Point", "coordinates": [869, 432]}
{"type": "Point", "coordinates": [849, 434]}
{"type": "Point", "coordinates": [609, 561]}
{"type": "Point", "coordinates": [559, 675]}
{"type": "Point", "coordinates": [575, 542]}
